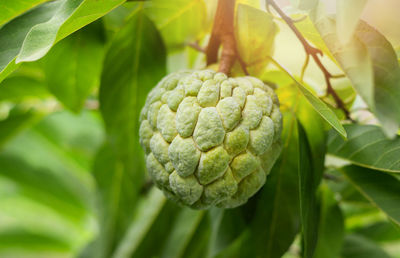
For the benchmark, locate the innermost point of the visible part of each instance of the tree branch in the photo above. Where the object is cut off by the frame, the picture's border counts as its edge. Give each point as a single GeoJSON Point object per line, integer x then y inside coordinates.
{"type": "Point", "coordinates": [314, 53]}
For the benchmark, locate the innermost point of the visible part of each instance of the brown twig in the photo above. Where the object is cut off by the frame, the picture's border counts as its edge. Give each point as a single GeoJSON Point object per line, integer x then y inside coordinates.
{"type": "Point", "coordinates": [314, 53]}
{"type": "Point", "coordinates": [196, 46]}
{"type": "Point", "coordinates": [223, 34]}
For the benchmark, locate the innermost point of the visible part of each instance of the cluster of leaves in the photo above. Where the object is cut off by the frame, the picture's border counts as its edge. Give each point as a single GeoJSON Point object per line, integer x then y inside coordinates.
{"type": "Point", "coordinates": [74, 75]}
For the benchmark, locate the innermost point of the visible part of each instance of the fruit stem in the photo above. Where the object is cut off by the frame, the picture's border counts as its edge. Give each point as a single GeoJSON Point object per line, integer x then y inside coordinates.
{"type": "Point", "coordinates": [223, 34]}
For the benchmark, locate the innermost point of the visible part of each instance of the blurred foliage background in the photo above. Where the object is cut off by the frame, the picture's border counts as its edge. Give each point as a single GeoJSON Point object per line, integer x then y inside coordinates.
{"type": "Point", "coordinates": [74, 75]}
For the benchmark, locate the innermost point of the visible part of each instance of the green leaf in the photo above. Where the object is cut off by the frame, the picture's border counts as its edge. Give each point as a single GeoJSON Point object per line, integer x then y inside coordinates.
{"type": "Point", "coordinates": [227, 227]}
{"type": "Point", "coordinates": [356, 246]}
{"type": "Point", "coordinates": [80, 58]}
{"type": "Point", "coordinates": [257, 29]}
{"type": "Point", "coordinates": [308, 184]}
{"type": "Point", "coordinates": [30, 36]}
{"type": "Point", "coordinates": [276, 219]}
{"type": "Point", "coordinates": [116, 201]}
{"type": "Point", "coordinates": [381, 189]}
{"type": "Point", "coordinates": [14, 33]}
{"type": "Point", "coordinates": [10, 9]}
{"type": "Point", "coordinates": [179, 21]}
{"type": "Point", "coordinates": [16, 121]}
{"type": "Point", "coordinates": [56, 190]}
{"type": "Point", "coordinates": [370, 62]}
{"type": "Point", "coordinates": [22, 243]}
{"type": "Point", "coordinates": [182, 232]}
{"type": "Point", "coordinates": [314, 126]}
{"type": "Point", "coordinates": [367, 146]}
{"type": "Point", "coordinates": [133, 65]}
{"type": "Point", "coordinates": [347, 15]}
{"type": "Point", "coordinates": [142, 221]}
{"type": "Point", "coordinates": [385, 231]}
{"type": "Point", "coordinates": [331, 226]}
{"type": "Point", "coordinates": [41, 37]}
{"type": "Point", "coordinates": [317, 104]}
{"type": "Point", "coordinates": [20, 88]}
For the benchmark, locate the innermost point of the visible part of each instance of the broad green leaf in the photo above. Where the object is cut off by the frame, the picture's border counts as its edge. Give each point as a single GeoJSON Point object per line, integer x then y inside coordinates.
{"type": "Point", "coordinates": [141, 223]}
{"type": "Point", "coordinates": [356, 246]}
{"type": "Point", "coordinates": [14, 33]}
{"type": "Point", "coordinates": [367, 146]}
{"type": "Point", "coordinates": [20, 88]}
{"type": "Point", "coordinates": [41, 37]}
{"type": "Point", "coordinates": [370, 62]}
{"type": "Point", "coordinates": [10, 9]}
{"type": "Point", "coordinates": [183, 229]}
{"type": "Point", "coordinates": [123, 92]}
{"type": "Point", "coordinates": [179, 21]}
{"type": "Point", "coordinates": [80, 57]}
{"type": "Point", "coordinates": [347, 16]}
{"type": "Point", "coordinates": [30, 36]}
{"type": "Point", "coordinates": [226, 228]}
{"type": "Point", "coordinates": [276, 219]}
{"type": "Point", "coordinates": [173, 228]}
{"type": "Point", "coordinates": [255, 32]}
{"type": "Point", "coordinates": [115, 201]}
{"type": "Point", "coordinates": [16, 121]}
{"type": "Point", "coordinates": [45, 194]}
{"type": "Point", "coordinates": [331, 226]}
{"type": "Point", "coordinates": [22, 243]}
{"type": "Point", "coordinates": [317, 104]}
{"type": "Point", "coordinates": [381, 189]}
{"type": "Point", "coordinates": [308, 184]}
{"type": "Point", "coordinates": [380, 232]}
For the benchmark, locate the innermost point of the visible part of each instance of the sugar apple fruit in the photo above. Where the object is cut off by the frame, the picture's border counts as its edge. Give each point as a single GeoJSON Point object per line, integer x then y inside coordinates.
{"type": "Point", "coordinates": [210, 140]}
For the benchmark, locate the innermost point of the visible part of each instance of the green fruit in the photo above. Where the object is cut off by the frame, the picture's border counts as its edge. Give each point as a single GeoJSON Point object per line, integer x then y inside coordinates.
{"type": "Point", "coordinates": [210, 140]}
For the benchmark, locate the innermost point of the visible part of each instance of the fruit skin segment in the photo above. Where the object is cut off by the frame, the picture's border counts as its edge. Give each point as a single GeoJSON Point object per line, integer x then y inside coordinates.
{"type": "Point", "coordinates": [210, 140]}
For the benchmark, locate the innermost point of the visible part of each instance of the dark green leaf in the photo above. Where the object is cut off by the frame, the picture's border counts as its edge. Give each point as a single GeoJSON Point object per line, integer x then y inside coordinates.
{"type": "Point", "coordinates": [30, 36]}
{"type": "Point", "coordinates": [72, 67]}
{"type": "Point", "coordinates": [133, 65]}
{"type": "Point", "coordinates": [367, 146]}
{"type": "Point", "coordinates": [183, 229]}
{"type": "Point", "coordinates": [356, 246]}
{"type": "Point", "coordinates": [10, 9]}
{"type": "Point", "coordinates": [385, 231]}
{"type": "Point", "coordinates": [142, 221]}
{"type": "Point", "coordinates": [331, 227]}
{"type": "Point", "coordinates": [381, 189]}
{"type": "Point", "coordinates": [308, 177]}
{"type": "Point", "coordinates": [276, 219]}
